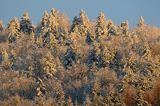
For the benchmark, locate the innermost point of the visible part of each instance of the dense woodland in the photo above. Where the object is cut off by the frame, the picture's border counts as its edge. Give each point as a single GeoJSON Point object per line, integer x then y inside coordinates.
{"type": "Point", "coordinates": [78, 63]}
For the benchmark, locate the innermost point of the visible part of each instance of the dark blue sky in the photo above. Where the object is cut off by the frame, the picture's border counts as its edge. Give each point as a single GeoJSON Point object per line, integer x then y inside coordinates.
{"type": "Point", "coordinates": [117, 10]}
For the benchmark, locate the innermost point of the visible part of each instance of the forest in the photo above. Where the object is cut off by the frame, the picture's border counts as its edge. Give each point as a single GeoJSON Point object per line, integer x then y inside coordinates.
{"type": "Point", "coordinates": [80, 63]}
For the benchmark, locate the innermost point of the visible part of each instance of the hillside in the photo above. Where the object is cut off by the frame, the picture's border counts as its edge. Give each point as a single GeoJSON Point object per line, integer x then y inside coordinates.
{"type": "Point", "coordinates": [83, 63]}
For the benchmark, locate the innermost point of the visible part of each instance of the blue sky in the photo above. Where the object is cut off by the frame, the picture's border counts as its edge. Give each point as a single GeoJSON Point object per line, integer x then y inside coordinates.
{"type": "Point", "coordinates": [117, 10]}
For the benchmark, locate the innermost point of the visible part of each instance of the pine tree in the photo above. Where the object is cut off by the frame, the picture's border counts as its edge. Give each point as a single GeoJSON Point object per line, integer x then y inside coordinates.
{"type": "Point", "coordinates": [81, 23]}
{"type": "Point", "coordinates": [89, 38]}
{"type": "Point", "coordinates": [125, 28]}
{"type": "Point", "coordinates": [69, 102]}
{"type": "Point", "coordinates": [44, 23]}
{"type": "Point", "coordinates": [70, 57]}
{"type": "Point", "coordinates": [53, 22]}
{"type": "Point", "coordinates": [101, 27]}
{"type": "Point", "coordinates": [48, 29]}
{"type": "Point", "coordinates": [93, 54]}
{"type": "Point", "coordinates": [1, 25]}
{"type": "Point", "coordinates": [51, 30]}
{"type": "Point", "coordinates": [87, 101]}
{"type": "Point", "coordinates": [141, 22]}
{"type": "Point", "coordinates": [147, 52]}
{"type": "Point", "coordinates": [49, 40]}
{"type": "Point", "coordinates": [14, 28]}
{"type": "Point", "coordinates": [83, 18]}
{"type": "Point", "coordinates": [112, 29]}
{"type": "Point", "coordinates": [48, 65]}
{"type": "Point", "coordinates": [75, 24]}
{"type": "Point", "coordinates": [26, 25]}
{"type": "Point", "coordinates": [105, 56]}
{"type": "Point", "coordinates": [5, 60]}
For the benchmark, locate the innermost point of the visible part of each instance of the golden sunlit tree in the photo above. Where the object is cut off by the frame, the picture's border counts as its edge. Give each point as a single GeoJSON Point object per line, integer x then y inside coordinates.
{"type": "Point", "coordinates": [48, 65]}
{"type": "Point", "coordinates": [14, 30]}
{"type": "Point", "coordinates": [82, 23]}
{"type": "Point", "coordinates": [141, 22]}
{"type": "Point", "coordinates": [1, 25]}
{"type": "Point", "coordinates": [125, 28]}
{"type": "Point", "coordinates": [101, 27]}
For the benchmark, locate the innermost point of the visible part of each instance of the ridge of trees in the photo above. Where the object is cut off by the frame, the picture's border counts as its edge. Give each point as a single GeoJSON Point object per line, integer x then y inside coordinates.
{"type": "Point", "coordinates": [83, 63]}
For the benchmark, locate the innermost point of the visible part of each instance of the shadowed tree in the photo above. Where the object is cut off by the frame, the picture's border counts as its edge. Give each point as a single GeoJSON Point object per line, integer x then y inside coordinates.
{"type": "Point", "coordinates": [81, 23]}
{"type": "Point", "coordinates": [70, 57]}
{"type": "Point", "coordinates": [25, 24]}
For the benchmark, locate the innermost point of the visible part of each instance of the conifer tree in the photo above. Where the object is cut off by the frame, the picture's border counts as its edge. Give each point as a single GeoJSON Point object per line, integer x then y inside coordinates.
{"type": "Point", "coordinates": [5, 60]}
{"type": "Point", "coordinates": [101, 27]}
{"type": "Point", "coordinates": [89, 38]}
{"type": "Point", "coordinates": [69, 102]}
{"type": "Point", "coordinates": [81, 23]}
{"type": "Point", "coordinates": [75, 23]}
{"type": "Point", "coordinates": [47, 29]}
{"type": "Point", "coordinates": [49, 40]}
{"type": "Point", "coordinates": [87, 101]}
{"type": "Point", "coordinates": [96, 88]}
{"type": "Point", "coordinates": [70, 57]}
{"type": "Point", "coordinates": [112, 29]}
{"type": "Point", "coordinates": [147, 52]}
{"type": "Point", "coordinates": [44, 22]}
{"type": "Point", "coordinates": [48, 65]}
{"type": "Point", "coordinates": [105, 56]}
{"type": "Point", "coordinates": [125, 28]}
{"type": "Point", "coordinates": [141, 22]}
{"type": "Point", "coordinates": [51, 30]}
{"type": "Point", "coordinates": [14, 28]}
{"type": "Point", "coordinates": [1, 25]}
{"type": "Point", "coordinates": [93, 54]}
{"type": "Point", "coordinates": [26, 25]}
{"type": "Point", "coordinates": [53, 22]}
{"type": "Point", "coordinates": [5, 55]}
{"type": "Point", "coordinates": [83, 18]}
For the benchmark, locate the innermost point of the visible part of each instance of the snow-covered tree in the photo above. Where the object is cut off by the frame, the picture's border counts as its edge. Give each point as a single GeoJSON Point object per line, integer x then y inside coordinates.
{"type": "Point", "coordinates": [25, 24]}
{"type": "Point", "coordinates": [1, 25]}
{"type": "Point", "coordinates": [141, 22]}
{"type": "Point", "coordinates": [125, 27]}
{"type": "Point", "coordinates": [101, 27]}
{"type": "Point", "coordinates": [14, 29]}
{"type": "Point", "coordinates": [44, 22]}
{"type": "Point", "coordinates": [81, 23]}
{"type": "Point", "coordinates": [48, 65]}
